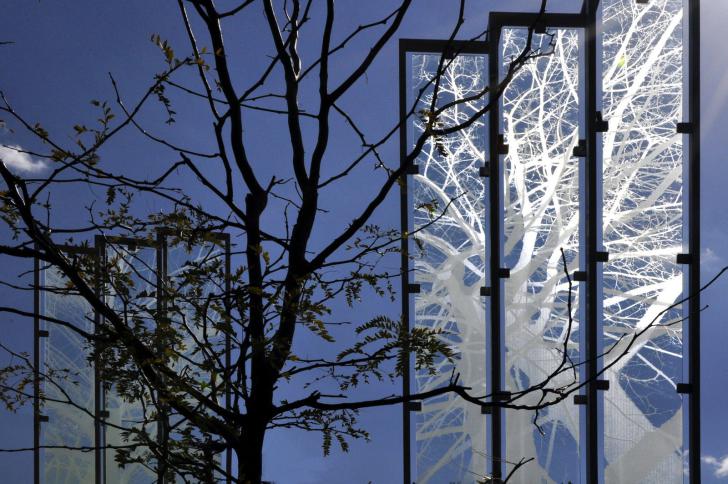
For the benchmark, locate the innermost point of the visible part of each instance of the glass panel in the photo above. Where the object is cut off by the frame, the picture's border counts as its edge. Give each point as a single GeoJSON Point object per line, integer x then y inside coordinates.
{"type": "Point", "coordinates": [541, 202]}
{"type": "Point", "coordinates": [131, 290]}
{"type": "Point", "coordinates": [67, 375]}
{"type": "Point", "coordinates": [448, 198]}
{"type": "Point", "coordinates": [195, 303]}
{"type": "Point", "coordinates": [643, 231]}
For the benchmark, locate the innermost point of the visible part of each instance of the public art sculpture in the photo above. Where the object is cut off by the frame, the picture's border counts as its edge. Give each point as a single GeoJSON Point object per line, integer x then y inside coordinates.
{"type": "Point", "coordinates": [141, 279]}
{"type": "Point", "coordinates": [540, 221]}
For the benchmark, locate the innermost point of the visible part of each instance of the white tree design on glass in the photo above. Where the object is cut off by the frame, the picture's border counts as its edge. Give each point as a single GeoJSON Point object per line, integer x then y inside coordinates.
{"type": "Point", "coordinates": [448, 199]}
{"type": "Point", "coordinates": [642, 68]}
{"type": "Point", "coordinates": [540, 116]}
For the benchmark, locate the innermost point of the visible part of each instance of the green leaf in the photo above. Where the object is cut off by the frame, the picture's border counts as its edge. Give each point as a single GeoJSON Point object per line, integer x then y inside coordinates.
{"type": "Point", "coordinates": [110, 195]}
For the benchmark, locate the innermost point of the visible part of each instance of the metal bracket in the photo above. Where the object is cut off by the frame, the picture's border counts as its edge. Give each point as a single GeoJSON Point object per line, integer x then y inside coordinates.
{"type": "Point", "coordinates": [485, 291]}
{"type": "Point", "coordinates": [684, 388]}
{"type": "Point", "coordinates": [42, 333]}
{"type": "Point", "coordinates": [104, 414]}
{"type": "Point", "coordinates": [580, 400]}
{"type": "Point", "coordinates": [602, 256]}
{"type": "Point", "coordinates": [580, 149]}
{"type": "Point", "coordinates": [42, 418]}
{"type": "Point", "coordinates": [484, 170]}
{"type": "Point", "coordinates": [504, 273]}
{"type": "Point", "coordinates": [502, 146]}
{"type": "Point", "coordinates": [413, 169]}
{"type": "Point", "coordinates": [413, 288]}
{"type": "Point", "coordinates": [684, 258]}
{"type": "Point", "coordinates": [501, 396]}
{"type": "Point", "coordinates": [601, 126]}
{"type": "Point", "coordinates": [684, 128]}
{"type": "Point", "coordinates": [580, 276]}
{"type": "Point", "coordinates": [602, 385]}
{"type": "Point", "coordinates": [414, 406]}
{"type": "Point", "coordinates": [485, 410]}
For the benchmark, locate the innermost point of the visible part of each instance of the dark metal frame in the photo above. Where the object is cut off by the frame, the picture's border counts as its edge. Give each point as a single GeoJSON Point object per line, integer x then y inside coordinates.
{"type": "Point", "coordinates": [446, 48]}
{"type": "Point", "coordinates": [98, 252]}
{"type": "Point", "coordinates": [228, 345]}
{"type": "Point", "coordinates": [593, 304]}
{"type": "Point", "coordinates": [36, 375]}
{"type": "Point", "coordinates": [223, 241]}
{"type": "Point", "coordinates": [692, 261]}
{"type": "Point", "coordinates": [694, 238]}
{"type": "Point", "coordinates": [496, 22]}
{"type": "Point", "coordinates": [37, 416]}
{"type": "Point", "coordinates": [101, 243]}
{"type": "Point", "coordinates": [98, 385]}
{"type": "Point", "coordinates": [163, 420]}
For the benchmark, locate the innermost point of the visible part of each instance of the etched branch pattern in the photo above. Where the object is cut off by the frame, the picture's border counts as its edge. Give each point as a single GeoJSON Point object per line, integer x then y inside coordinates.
{"type": "Point", "coordinates": [540, 116]}
{"type": "Point", "coordinates": [70, 376]}
{"type": "Point", "coordinates": [642, 229]}
{"type": "Point", "coordinates": [135, 298]}
{"type": "Point", "coordinates": [196, 279]}
{"type": "Point", "coordinates": [642, 87]}
{"type": "Point", "coordinates": [449, 216]}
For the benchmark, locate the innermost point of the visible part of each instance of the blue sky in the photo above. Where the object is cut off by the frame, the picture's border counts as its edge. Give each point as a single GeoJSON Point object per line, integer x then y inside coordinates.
{"type": "Point", "coordinates": [61, 58]}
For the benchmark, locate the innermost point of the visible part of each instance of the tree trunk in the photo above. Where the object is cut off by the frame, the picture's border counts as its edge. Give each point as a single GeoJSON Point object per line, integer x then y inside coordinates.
{"type": "Point", "coordinates": [250, 455]}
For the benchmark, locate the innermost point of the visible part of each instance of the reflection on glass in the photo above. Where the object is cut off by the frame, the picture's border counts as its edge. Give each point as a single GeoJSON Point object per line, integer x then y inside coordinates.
{"type": "Point", "coordinates": [67, 376]}
{"type": "Point", "coordinates": [190, 299]}
{"type": "Point", "coordinates": [131, 290]}
{"type": "Point", "coordinates": [194, 302]}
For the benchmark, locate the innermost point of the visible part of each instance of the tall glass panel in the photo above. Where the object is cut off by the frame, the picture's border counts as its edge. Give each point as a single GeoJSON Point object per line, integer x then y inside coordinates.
{"type": "Point", "coordinates": [449, 213]}
{"type": "Point", "coordinates": [194, 302]}
{"type": "Point", "coordinates": [131, 290]}
{"type": "Point", "coordinates": [642, 71]}
{"type": "Point", "coordinates": [540, 122]}
{"type": "Point", "coordinates": [67, 377]}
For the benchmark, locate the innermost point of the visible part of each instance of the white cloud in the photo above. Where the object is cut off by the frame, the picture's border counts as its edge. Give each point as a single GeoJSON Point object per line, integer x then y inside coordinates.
{"type": "Point", "coordinates": [18, 161]}
{"type": "Point", "coordinates": [708, 258]}
{"type": "Point", "coordinates": [720, 466]}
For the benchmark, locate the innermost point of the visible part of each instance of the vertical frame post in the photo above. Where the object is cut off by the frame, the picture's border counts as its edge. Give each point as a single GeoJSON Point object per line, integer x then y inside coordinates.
{"type": "Point", "coordinates": [100, 245]}
{"type": "Point", "coordinates": [163, 420]}
{"type": "Point", "coordinates": [494, 246]}
{"type": "Point", "coordinates": [694, 238]}
{"type": "Point", "coordinates": [36, 372]}
{"type": "Point", "coordinates": [228, 349]}
{"type": "Point", "coordinates": [404, 258]}
{"type": "Point", "coordinates": [98, 395]}
{"type": "Point", "coordinates": [592, 225]}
